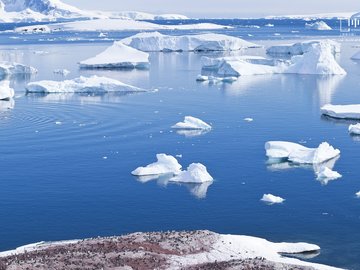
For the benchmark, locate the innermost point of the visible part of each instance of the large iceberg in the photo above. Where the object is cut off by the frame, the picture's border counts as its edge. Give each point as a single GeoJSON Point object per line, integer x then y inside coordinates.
{"type": "Point", "coordinates": [301, 47]}
{"type": "Point", "coordinates": [300, 154]}
{"type": "Point", "coordinates": [195, 173]}
{"type": "Point", "coordinates": [319, 25]}
{"type": "Point", "coordinates": [342, 111]}
{"type": "Point", "coordinates": [191, 122]}
{"type": "Point", "coordinates": [154, 42]}
{"type": "Point", "coordinates": [118, 55]}
{"type": "Point", "coordinates": [8, 69]}
{"type": "Point", "coordinates": [91, 85]}
{"type": "Point", "coordinates": [6, 92]}
{"type": "Point", "coordinates": [165, 164]}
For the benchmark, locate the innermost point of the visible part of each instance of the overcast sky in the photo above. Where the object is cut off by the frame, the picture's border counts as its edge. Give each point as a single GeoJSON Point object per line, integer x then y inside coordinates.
{"type": "Point", "coordinates": [222, 8]}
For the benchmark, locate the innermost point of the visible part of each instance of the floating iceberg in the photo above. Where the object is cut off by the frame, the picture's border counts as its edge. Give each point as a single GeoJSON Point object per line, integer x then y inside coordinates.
{"type": "Point", "coordinates": [319, 25]}
{"type": "Point", "coordinates": [155, 42]}
{"type": "Point", "coordinates": [118, 55]}
{"type": "Point", "coordinates": [297, 153]}
{"type": "Point", "coordinates": [63, 72]}
{"type": "Point", "coordinates": [271, 199]}
{"type": "Point", "coordinates": [209, 63]}
{"type": "Point", "coordinates": [164, 164]}
{"type": "Point", "coordinates": [6, 92]}
{"type": "Point", "coordinates": [91, 85]}
{"type": "Point", "coordinates": [354, 129]}
{"type": "Point", "coordinates": [302, 47]}
{"type": "Point", "coordinates": [326, 174]}
{"type": "Point", "coordinates": [357, 194]}
{"type": "Point", "coordinates": [195, 173]}
{"type": "Point", "coordinates": [8, 69]}
{"type": "Point", "coordinates": [342, 111]}
{"type": "Point", "coordinates": [235, 68]}
{"type": "Point", "coordinates": [192, 123]}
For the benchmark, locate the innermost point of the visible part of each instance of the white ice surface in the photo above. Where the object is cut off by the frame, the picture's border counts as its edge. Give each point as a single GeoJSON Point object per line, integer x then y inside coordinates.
{"type": "Point", "coordinates": [6, 92]}
{"type": "Point", "coordinates": [319, 25]}
{"type": "Point", "coordinates": [354, 129]}
{"type": "Point", "coordinates": [164, 164]}
{"type": "Point", "coordinates": [191, 122]}
{"type": "Point", "coordinates": [195, 173]}
{"type": "Point", "coordinates": [342, 111]}
{"type": "Point", "coordinates": [63, 72]}
{"type": "Point", "coordinates": [326, 174]}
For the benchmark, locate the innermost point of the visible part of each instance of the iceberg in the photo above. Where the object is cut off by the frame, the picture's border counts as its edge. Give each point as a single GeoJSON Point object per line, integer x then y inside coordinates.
{"type": "Point", "coordinates": [326, 174]}
{"type": "Point", "coordinates": [209, 63]}
{"type": "Point", "coordinates": [90, 85]}
{"type": "Point", "coordinates": [6, 92]}
{"type": "Point", "coordinates": [192, 123]}
{"type": "Point", "coordinates": [319, 25]}
{"type": "Point", "coordinates": [354, 129]}
{"type": "Point", "coordinates": [271, 199]}
{"type": "Point", "coordinates": [8, 69]}
{"type": "Point", "coordinates": [300, 154]}
{"type": "Point", "coordinates": [342, 111]}
{"type": "Point", "coordinates": [195, 173]}
{"type": "Point", "coordinates": [136, 15]}
{"type": "Point", "coordinates": [63, 72]}
{"type": "Point", "coordinates": [118, 55]}
{"type": "Point", "coordinates": [302, 47]}
{"type": "Point", "coordinates": [165, 164]}
{"type": "Point", "coordinates": [155, 42]}
{"type": "Point", "coordinates": [357, 194]}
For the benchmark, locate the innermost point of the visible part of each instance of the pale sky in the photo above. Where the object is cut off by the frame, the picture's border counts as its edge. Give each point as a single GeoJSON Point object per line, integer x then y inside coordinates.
{"type": "Point", "coordinates": [222, 8]}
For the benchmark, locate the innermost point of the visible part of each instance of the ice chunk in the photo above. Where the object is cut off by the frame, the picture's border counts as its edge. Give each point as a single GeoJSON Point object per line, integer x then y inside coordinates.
{"type": "Point", "coordinates": [63, 72]}
{"type": "Point", "coordinates": [302, 47]}
{"type": "Point", "coordinates": [248, 119]}
{"type": "Point", "coordinates": [118, 55]}
{"type": "Point", "coordinates": [93, 84]}
{"type": "Point", "coordinates": [342, 111]}
{"type": "Point", "coordinates": [319, 25]}
{"type": "Point", "coordinates": [154, 42]}
{"type": "Point", "coordinates": [271, 199]}
{"type": "Point", "coordinates": [242, 68]}
{"type": "Point", "coordinates": [354, 129]}
{"type": "Point", "coordinates": [7, 68]}
{"type": "Point", "coordinates": [192, 123]}
{"type": "Point", "coordinates": [297, 153]}
{"type": "Point", "coordinates": [195, 173]}
{"type": "Point", "coordinates": [326, 174]}
{"type": "Point", "coordinates": [164, 164]}
{"type": "Point", "coordinates": [6, 92]}
{"type": "Point", "coordinates": [358, 194]}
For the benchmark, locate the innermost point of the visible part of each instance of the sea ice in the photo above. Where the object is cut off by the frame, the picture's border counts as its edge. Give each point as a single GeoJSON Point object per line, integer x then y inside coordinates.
{"type": "Point", "coordinates": [192, 123]}
{"type": "Point", "coordinates": [164, 164]}
{"type": "Point", "coordinates": [93, 84]}
{"type": "Point", "coordinates": [319, 25]}
{"type": "Point", "coordinates": [302, 47]}
{"type": "Point", "coordinates": [342, 111]}
{"type": "Point", "coordinates": [354, 129]}
{"type": "Point", "coordinates": [6, 92]}
{"type": "Point", "coordinates": [118, 55]}
{"type": "Point", "coordinates": [195, 173]}
{"type": "Point", "coordinates": [154, 42]}
{"type": "Point", "coordinates": [271, 199]}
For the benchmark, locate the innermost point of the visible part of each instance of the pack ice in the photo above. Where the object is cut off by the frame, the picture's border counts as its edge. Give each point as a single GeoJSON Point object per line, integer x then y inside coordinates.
{"type": "Point", "coordinates": [93, 85]}
{"type": "Point", "coordinates": [191, 122]}
{"type": "Point", "coordinates": [354, 129]}
{"type": "Point", "coordinates": [6, 92]}
{"type": "Point", "coordinates": [118, 55]}
{"type": "Point", "coordinates": [155, 42]}
{"type": "Point", "coordinates": [301, 47]}
{"type": "Point", "coordinates": [272, 199]}
{"type": "Point", "coordinates": [164, 164]}
{"type": "Point", "coordinates": [342, 111]}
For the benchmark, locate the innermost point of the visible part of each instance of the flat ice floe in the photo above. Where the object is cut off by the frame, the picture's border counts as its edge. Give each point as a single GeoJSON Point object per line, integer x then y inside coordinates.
{"type": "Point", "coordinates": [8, 69]}
{"type": "Point", "coordinates": [191, 122]}
{"type": "Point", "coordinates": [342, 111]}
{"type": "Point", "coordinates": [196, 173]}
{"type": "Point", "coordinates": [91, 85]}
{"type": "Point", "coordinates": [319, 25]}
{"type": "Point", "coordinates": [155, 42]}
{"type": "Point", "coordinates": [354, 129]}
{"type": "Point", "coordinates": [165, 164]}
{"type": "Point", "coordinates": [271, 199]}
{"type": "Point", "coordinates": [300, 48]}
{"type": "Point", "coordinates": [300, 154]}
{"type": "Point", "coordinates": [6, 92]}
{"type": "Point", "coordinates": [118, 55]}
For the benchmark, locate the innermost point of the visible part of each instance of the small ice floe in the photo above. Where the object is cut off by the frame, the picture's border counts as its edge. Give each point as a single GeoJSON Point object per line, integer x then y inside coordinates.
{"type": "Point", "coordinates": [192, 123]}
{"type": "Point", "coordinates": [118, 55]}
{"type": "Point", "coordinates": [195, 173]}
{"type": "Point", "coordinates": [58, 123]}
{"type": "Point", "coordinates": [354, 129]}
{"type": "Point", "coordinates": [102, 35]}
{"type": "Point", "coordinates": [213, 79]}
{"type": "Point", "coordinates": [319, 25]}
{"type": "Point", "coordinates": [89, 85]}
{"type": "Point", "coordinates": [156, 42]}
{"type": "Point", "coordinates": [269, 25]}
{"type": "Point", "coordinates": [63, 72]}
{"type": "Point", "coordinates": [300, 48]}
{"type": "Point", "coordinates": [271, 199]}
{"type": "Point", "coordinates": [6, 92]}
{"type": "Point", "coordinates": [248, 119]}
{"type": "Point", "coordinates": [189, 133]}
{"type": "Point", "coordinates": [342, 111]}
{"type": "Point", "coordinates": [325, 175]}
{"type": "Point", "coordinates": [296, 153]}
{"type": "Point", "coordinates": [165, 164]}
{"type": "Point", "coordinates": [357, 194]}
{"type": "Point", "coordinates": [8, 69]}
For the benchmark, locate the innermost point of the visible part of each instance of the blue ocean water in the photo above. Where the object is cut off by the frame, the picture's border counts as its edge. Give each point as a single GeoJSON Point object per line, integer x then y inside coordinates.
{"type": "Point", "coordinates": [65, 160]}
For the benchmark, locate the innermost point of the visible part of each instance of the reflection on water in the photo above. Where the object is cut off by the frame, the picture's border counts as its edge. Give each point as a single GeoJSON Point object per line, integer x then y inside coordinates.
{"type": "Point", "coordinates": [188, 133]}
{"type": "Point", "coordinates": [7, 104]}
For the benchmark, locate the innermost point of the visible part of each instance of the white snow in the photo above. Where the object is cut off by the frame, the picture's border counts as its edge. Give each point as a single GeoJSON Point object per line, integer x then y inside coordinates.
{"type": "Point", "coordinates": [63, 72]}
{"type": "Point", "coordinates": [93, 84]}
{"type": "Point", "coordinates": [8, 68]}
{"type": "Point", "coordinates": [271, 199]}
{"type": "Point", "coordinates": [6, 92]}
{"type": "Point", "coordinates": [297, 153]}
{"type": "Point", "coordinates": [154, 41]}
{"type": "Point", "coordinates": [118, 55]}
{"type": "Point", "coordinates": [164, 164]}
{"type": "Point", "coordinates": [326, 174]}
{"type": "Point", "coordinates": [191, 122]}
{"type": "Point", "coordinates": [342, 111]}
{"type": "Point", "coordinates": [354, 129]}
{"type": "Point", "coordinates": [195, 173]}
{"type": "Point", "coordinates": [319, 25]}
{"type": "Point", "coordinates": [299, 48]}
